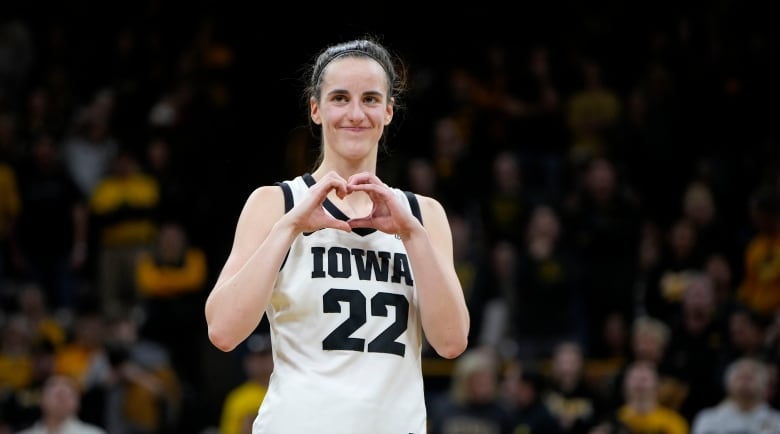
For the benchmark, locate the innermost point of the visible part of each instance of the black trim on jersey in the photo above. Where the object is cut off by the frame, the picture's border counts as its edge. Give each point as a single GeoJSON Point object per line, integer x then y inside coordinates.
{"type": "Point", "coordinates": [288, 204]}
{"type": "Point", "coordinates": [308, 179]}
{"type": "Point", "coordinates": [414, 204]}
{"type": "Point", "coordinates": [288, 196]}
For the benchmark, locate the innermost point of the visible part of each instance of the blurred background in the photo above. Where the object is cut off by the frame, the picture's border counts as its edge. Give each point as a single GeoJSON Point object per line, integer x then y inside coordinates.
{"type": "Point", "coordinates": [597, 161]}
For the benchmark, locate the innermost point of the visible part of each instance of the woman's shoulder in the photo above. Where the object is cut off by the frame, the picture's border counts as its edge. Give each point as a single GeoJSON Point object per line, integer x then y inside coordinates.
{"type": "Point", "coordinates": [263, 199]}
{"type": "Point", "coordinates": [430, 206]}
{"type": "Point", "coordinates": [264, 192]}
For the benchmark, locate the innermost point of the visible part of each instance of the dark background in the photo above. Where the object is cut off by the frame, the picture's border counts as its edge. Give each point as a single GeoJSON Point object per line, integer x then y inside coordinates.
{"type": "Point", "coordinates": [228, 150]}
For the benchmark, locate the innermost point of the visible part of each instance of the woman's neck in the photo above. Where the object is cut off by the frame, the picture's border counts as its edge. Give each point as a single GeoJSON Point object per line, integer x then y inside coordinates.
{"type": "Point", "coordinates": [345, 168]}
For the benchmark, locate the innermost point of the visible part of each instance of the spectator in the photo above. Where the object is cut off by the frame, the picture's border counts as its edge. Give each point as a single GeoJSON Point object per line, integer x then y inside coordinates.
{"type": "Point", "coordinates": [496, 279]}
{"type": "Point", "coordinates": [642, 412]}
{"type": "Point", "coordinates": [15, 353]}
{"type": "Point", "coordinates": [177, 201]}
{"type": "Point", "coordinates": [760, 286]}
{"type": "Point", "coordinates": [143, 394]}
{"type": "Point", "coordinates": [451, 150]}
{"type": "Point", "coordinates": [700, 208]}
{"type": "Point", "coordinates": [44, 326]}
{"type": "Point", "coordinates": [468, 254]}
{"type": "Point", "coordinates": [575, 403]}
{"type": "Point", "coordinates": [83, 357]}
{"type": "Point", "coordinates": [679, 257]}
{"type": "Point", "coordinates": [536, 121]}
{"type": "Point", "coordinates": [722, 273]}
{"type": "Point", "coordinates": [602, 217]}
{"type": "Point", "coordinates": [21, 407]}
{"type": "Point", "coordinates": [60, 405]}
{"type": "Point", "coordinates": [51, 238]}
{"type": "Point", "coordinates": [506, 206]}
{"type": "Point", "coordinates": [473, 404]}
{"type": "Point", "coordinates": [37, 335]}
{"type": "Point", "coordinates": [523, 391]}
{"type": "Point", "coordinates": [747, 336]}
{"type": "Point", "coordinates": [123, 207]}
{"type": "Point", "coordinates": [697, 340]}
{"type": "Point", "coordinates": [745, 408]}
{"type": "Point", "coordinates": [649, 343]}
{"type": "Point", "coordinates": [90, 148]}
{"type": "Point", "coordinates": [243, 401]}
{"type": "Point", "coordinates": [420, 176]}
{"type": "Point", "coordinates": [606, 364]}
{"type": "Point", "coordinates": [545, 308]}
{"type": "Point", "coordinates": [170, 279]}
{"type": "Point", "coordinates": [593, 113]}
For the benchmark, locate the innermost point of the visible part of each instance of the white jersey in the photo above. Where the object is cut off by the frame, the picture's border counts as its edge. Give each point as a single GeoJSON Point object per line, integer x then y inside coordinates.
{"type": "Point", "coordinates": [726, 418]}
{"type": "Point", "coordinates": [345, 332]}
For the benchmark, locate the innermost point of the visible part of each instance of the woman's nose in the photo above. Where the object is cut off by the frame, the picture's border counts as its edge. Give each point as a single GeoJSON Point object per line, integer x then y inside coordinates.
{"type": "Point", "coordinates": [355, 111]}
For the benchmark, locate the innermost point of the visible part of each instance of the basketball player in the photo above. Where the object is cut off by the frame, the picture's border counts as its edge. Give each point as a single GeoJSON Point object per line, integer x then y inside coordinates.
{"type": "Point", "coordinates": [349, 271]}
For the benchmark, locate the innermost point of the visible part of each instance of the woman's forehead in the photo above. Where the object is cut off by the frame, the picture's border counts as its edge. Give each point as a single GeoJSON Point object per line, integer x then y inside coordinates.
{"type": "Point", "coordinates": [354, 70]}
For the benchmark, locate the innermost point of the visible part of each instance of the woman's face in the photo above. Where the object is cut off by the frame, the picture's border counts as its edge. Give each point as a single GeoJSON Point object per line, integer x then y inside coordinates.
{"type": "Point", "coordinates": [354, 107]}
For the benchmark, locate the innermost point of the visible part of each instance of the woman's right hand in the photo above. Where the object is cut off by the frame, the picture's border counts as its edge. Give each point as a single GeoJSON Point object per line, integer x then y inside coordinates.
{"type": "Point", "coordinates": [309, 215]}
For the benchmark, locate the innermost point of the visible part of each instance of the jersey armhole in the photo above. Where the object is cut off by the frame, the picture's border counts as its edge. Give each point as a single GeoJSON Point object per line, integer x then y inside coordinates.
{"type": "Point", "coordinates": [414, 204]}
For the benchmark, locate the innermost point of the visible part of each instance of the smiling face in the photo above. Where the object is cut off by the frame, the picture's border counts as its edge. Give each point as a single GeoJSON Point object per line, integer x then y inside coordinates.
{"type": "Point", "coordinates": [353, 108]}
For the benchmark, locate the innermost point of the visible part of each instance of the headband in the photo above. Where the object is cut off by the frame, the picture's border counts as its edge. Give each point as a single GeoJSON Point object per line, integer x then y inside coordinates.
{"type": "Point", "coordinates": [348, 52]}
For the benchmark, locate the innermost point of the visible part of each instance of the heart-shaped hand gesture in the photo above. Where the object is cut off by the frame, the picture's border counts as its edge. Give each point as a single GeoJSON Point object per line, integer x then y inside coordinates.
{"type": "Point", "coordinates": [387, 215]}
{"type": "Point", "coordinates": [310, 216]}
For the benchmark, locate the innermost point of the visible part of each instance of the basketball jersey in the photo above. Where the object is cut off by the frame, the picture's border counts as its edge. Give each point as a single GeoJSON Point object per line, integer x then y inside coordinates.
{"type": "Point", "coordinates": [346, 333]}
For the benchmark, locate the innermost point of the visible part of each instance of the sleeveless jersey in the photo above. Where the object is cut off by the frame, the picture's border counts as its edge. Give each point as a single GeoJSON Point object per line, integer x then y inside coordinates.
{"type": "Point", "coordinates": [346, 333]}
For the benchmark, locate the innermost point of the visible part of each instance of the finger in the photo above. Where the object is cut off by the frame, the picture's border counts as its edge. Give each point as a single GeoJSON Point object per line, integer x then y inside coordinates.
{"type": "Point", "coordinates": [364, 178]}
{"type": "Point", "coordinates": [361, 222]}
{"type": "Point", "coordinates": [339, 224]}
{"type": "Point", "coordinates": [328, 184]}
{"type": "Point", "coordinates": [368, 188]}
{"type": "Point", "coordinates": [337, 184]}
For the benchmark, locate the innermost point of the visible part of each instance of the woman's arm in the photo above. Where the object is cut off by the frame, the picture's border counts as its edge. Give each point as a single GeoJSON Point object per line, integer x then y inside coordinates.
{"type": "Point", "coordinates": [263, 236]}
{"type": "Point", "coordinates": [445, 316]}
{"type": "Point", "coordinates": [443, 311]}
{"type": "Point", "coordinates": [241, 293]}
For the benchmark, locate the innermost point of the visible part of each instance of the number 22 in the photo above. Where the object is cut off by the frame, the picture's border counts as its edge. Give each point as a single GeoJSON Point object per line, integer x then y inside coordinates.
{"type": "Point", "coordinates": [340, 338]}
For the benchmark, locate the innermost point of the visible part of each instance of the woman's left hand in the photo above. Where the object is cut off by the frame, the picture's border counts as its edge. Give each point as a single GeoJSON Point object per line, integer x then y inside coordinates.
{"type": "Point", "coordinates": [388, 214]}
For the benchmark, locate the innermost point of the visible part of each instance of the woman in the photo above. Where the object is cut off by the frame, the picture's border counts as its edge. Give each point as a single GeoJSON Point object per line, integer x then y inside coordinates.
{"type": "Point", "coordinates": [349, 271]}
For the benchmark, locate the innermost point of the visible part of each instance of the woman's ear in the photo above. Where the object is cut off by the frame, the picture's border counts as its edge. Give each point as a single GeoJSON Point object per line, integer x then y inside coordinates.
{"type": "Point", "coordinates": [314, 111]}
{"type": "Point", "coordinates": [389, 112]}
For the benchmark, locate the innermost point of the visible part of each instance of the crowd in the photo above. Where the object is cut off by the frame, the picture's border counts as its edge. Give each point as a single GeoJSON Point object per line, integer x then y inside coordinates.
{"type": "Point", "coordinates": [613, 189]}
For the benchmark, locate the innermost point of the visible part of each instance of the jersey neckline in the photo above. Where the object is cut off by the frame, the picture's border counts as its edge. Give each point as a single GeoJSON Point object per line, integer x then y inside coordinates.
{"type": "Point", "coordinates": [333, 209]}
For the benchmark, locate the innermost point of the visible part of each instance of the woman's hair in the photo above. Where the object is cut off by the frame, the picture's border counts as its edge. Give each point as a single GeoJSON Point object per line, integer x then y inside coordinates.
{"type": "Point", "coordinates": [366, 47]}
